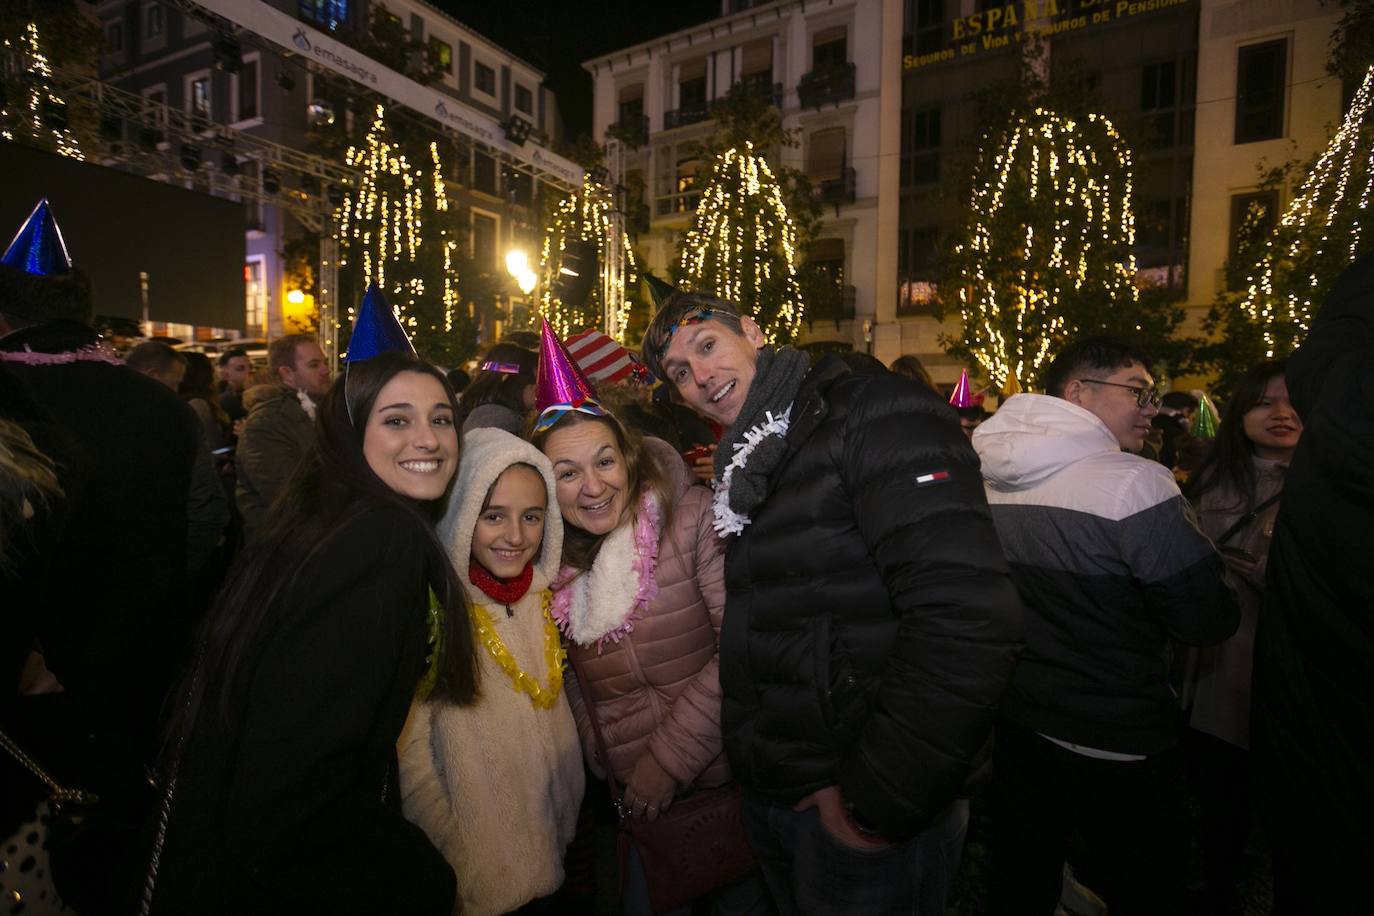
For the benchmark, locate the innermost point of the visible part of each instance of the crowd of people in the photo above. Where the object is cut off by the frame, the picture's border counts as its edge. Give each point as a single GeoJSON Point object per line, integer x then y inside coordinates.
{"type": "Point", "coordinates": [286, 641]}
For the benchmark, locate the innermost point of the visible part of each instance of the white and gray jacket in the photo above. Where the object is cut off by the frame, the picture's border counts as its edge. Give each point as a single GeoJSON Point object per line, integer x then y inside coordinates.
{"type": "Point", "coordinates": [1110, 566]}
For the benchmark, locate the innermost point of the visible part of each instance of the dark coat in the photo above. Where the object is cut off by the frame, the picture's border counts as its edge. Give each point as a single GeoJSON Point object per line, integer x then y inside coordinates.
{"type": "Point", "coordinates": [1312, 719]}
{"type": "Point", "coordinates": [870, 624]}
{"type": "Point", "coordinates": [293, 806]}
{"type": "Point", "coordinates": [275, 438]}
{"type": "Point", "coordinates": [114, 609]}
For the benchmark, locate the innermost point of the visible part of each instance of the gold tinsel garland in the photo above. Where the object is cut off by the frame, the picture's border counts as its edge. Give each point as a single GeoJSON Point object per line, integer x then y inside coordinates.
{"type": "Point", "coordinates": [541, 697]}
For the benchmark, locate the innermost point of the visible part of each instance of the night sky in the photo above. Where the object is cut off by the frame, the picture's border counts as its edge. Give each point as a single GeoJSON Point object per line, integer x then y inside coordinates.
{"type": "Point", "coordinates": [557, 35]}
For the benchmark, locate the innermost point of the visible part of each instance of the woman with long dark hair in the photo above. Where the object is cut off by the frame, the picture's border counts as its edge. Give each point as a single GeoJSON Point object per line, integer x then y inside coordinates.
{"type": "Point", "coordinates": [283, 782]}
{"type": "Point", "coordinates": [501, 394]}
{"type": "Point", "coordinates": [1235, 491]}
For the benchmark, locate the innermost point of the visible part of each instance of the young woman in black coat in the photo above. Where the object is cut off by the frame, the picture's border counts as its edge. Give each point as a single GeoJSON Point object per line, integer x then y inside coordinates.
{"type": "Point", "coordinates": [281, 755]}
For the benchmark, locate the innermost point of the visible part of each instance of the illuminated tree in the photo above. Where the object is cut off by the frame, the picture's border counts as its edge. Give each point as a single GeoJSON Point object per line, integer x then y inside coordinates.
{"type": "Point", "coordinates": [36, 114]}
{"type": "Point", "coordinates": [1319, 234]}
{"type": "Point", "coordinates": [584, 216]}
{"type": "Point", "coordinates": [1044, 252]}
{"type": "Point", "coordinates": [395, 228]}
{"type": "Point", "coordinates": [742, 245]}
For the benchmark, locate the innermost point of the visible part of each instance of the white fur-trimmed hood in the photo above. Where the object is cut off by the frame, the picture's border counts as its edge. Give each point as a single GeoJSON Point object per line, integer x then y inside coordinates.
{"type": "Point", "coordinates": [487, 452]}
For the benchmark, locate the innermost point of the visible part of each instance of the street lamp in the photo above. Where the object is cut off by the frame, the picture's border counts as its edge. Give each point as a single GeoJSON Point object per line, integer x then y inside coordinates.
{"type": "Point", "coordinates": [518, 266]}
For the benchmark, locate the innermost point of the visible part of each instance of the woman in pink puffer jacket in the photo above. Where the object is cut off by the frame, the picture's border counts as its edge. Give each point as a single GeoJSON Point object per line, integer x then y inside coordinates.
{"type": "Point", "coordinates": [640, 599]}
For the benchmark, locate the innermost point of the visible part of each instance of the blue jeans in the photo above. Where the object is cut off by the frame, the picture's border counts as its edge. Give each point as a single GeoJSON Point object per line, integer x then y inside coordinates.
{"type": "Point", "coordinates": [939, 849]}
{"type": "Point", "coordinates": [811, 872]}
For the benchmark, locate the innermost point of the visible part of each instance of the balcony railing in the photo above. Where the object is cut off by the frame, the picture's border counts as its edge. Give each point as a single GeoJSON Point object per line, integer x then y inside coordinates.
{"type": "Point", "coordinates": [681, 202]}
{"type": "Point", "coordinates": [766, 92]}
{"type": "Point", "coordinates": [690, 114]}
{"type": "Point", "coordinates": [824, 85]}
{"type": "Point", "coordinates": [829, 302]}
{"type": "Point", "coordinates": [837, 191]}
{"type": "Point", "coordinates": [633, 132]}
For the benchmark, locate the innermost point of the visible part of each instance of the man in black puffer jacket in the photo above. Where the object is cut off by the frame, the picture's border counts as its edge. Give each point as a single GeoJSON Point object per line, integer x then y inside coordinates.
{"type": "Point", "coordinates": [870, 624]}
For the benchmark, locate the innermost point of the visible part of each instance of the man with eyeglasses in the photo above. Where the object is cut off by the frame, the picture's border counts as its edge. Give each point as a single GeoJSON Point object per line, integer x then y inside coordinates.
{"type": "Point", "coordinates": [1110, 568]}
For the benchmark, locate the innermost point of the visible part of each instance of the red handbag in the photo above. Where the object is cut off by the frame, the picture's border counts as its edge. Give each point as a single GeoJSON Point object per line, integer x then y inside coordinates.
{"type": "Point", "coordinates": [693, 848]}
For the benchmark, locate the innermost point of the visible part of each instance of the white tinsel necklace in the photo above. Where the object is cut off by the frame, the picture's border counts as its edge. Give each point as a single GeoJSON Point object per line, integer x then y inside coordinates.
{"type": "Point", "coordinates": [728, 521]}
{"type": "Point", "coordinates": [306, 404]}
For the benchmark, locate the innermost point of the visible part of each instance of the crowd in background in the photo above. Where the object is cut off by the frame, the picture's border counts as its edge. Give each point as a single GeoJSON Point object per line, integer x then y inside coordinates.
{"type": "Point", "coordinates": [384, 638]}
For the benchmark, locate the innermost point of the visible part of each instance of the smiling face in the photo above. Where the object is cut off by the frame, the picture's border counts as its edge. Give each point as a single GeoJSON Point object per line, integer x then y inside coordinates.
{"type": "Point", "coordinates": [712, 367]}
{"type": "Point", "coordinates": [1272, 425]}
{"type": "Point", "coordinates": [590, 476]}
{"type": "Point", "coordinates": [1116, 406]}
{"type": "Point", "coordinates": [410, 441]}
{"type": "Point", "coordinates": [511, 526]}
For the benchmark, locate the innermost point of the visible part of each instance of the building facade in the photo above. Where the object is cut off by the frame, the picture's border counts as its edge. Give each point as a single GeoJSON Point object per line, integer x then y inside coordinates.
{"type": "Point", "coordinates": [1264, 97]}
{"type": "Point", "coordinates": [832, 76]}
{"type": "Point", "coordinates": [209, 82]}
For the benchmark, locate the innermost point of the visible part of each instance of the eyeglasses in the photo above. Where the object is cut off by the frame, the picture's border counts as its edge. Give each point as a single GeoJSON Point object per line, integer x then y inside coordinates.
{"type": "Point", "coordinates": [1143, 396]}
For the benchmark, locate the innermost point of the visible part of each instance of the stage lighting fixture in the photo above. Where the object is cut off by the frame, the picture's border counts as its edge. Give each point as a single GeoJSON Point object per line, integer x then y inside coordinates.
{"type": "Point", "coordinates": [271, 181]}
{"type": "Point", "coordinates": [190, 156]}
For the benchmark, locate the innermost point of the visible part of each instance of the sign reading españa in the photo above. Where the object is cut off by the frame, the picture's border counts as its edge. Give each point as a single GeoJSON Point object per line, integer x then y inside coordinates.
{"type": "Point", "coordinates": [1014, 22]}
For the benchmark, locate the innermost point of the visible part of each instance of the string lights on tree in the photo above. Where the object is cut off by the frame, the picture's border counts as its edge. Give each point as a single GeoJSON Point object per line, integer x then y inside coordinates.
{"type": "Point", "coordinates": [392, 228]}
{"type": "Point", "coordinates": [742, 244]}
{"type": "Point", "coordinates": [1046, 246]}
{"type": "Point", "coordinates": [40, 114]}
{"type": "Point", "coordinates": [1317, 236]}
{"type": "Point", "coordinates": [584, 216]}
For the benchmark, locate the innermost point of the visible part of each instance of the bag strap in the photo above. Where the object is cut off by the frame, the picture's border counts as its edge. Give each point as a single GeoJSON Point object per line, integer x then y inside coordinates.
{"type": "Point", "coordinates": [60, 795]}
{"type": "Point", "coordinates": [1244, 521]}
{"type": "Point", "coordinates": [582, 683]}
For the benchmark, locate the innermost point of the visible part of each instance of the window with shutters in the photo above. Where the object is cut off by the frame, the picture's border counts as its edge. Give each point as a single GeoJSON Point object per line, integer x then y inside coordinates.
{"type": "Point", "coordinates": [830, 48]}
{"type": "Point", "coordinates": [827, 155]}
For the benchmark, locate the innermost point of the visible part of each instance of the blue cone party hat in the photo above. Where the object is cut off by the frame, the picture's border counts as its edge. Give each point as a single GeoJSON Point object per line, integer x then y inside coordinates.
{"type": "Point", "coordinates": [376, 329]}
{"type": "Point", "coordinates": [37, 247]}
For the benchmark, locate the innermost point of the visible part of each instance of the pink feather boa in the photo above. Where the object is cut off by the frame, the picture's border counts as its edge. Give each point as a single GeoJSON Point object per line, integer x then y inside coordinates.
{"type": "Point", "coordinates": [645, 565]}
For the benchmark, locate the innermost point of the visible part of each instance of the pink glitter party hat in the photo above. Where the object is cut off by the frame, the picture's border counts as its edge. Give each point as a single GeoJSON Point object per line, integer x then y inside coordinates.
{"type": "Point", "coordinates": [963, 393]}
{"type": "Point", "coordinates": [559, 385]}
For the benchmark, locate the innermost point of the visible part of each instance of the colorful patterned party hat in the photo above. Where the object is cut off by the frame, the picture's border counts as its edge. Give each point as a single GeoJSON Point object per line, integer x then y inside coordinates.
{"type": "Point", "coordinates": [963, 395]}
{"type": "Point", "coordinates": [38, 248]}
{"type": "Point", "coordinates": [376, 329]}
{"type": "Point", "coordinates": [559, 385]}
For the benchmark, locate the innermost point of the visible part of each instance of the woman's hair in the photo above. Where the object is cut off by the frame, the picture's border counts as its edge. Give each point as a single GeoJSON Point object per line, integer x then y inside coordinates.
{"type": "Point", "coordinates": [332, 486]}
{"type": "Point", "coordinates": [1229, 462]}
{"type": "Point", "coordinates": [643, 470]}
{"type": "Point", "coordinates": [505, 388]}
{"type": "Point", "coordinates": [27, 478]}
{"type": "Point", "coordinates": [911, 367]}
{"type": "Point", "coordinates": [199, 382]}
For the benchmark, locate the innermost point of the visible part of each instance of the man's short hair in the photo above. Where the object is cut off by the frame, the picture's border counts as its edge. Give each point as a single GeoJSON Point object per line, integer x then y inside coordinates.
{"type": "Point", "coordinates": [660, 331]}
{"type": "Point", "coordinates": [1179, 400]}
{"type": "Point", "coordinates": [231, 354]}
{"type": "Point", "coordinates": [283, 350]}
{"type": "Point", "coordinates": [153, 356]}
{"type": "Point", "coordinates": [1089, 357]}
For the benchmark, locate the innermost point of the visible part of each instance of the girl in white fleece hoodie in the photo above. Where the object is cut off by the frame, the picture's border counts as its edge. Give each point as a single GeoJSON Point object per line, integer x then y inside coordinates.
{"type": "Point", "coordinates": [496, 785]}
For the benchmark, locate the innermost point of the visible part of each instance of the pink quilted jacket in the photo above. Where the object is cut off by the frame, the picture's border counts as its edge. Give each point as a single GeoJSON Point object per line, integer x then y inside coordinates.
{"type": "Point", "coordinates": [657, 690]}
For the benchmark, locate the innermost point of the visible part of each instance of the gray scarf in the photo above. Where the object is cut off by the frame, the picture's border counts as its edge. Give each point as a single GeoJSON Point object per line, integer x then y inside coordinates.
{"type": "Point", "coordinates": [778, 376]}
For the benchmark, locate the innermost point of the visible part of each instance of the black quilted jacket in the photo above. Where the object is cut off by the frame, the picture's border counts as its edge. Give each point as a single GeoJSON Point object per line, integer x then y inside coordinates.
{"type": "Point", "coordinates": [870, 624]}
